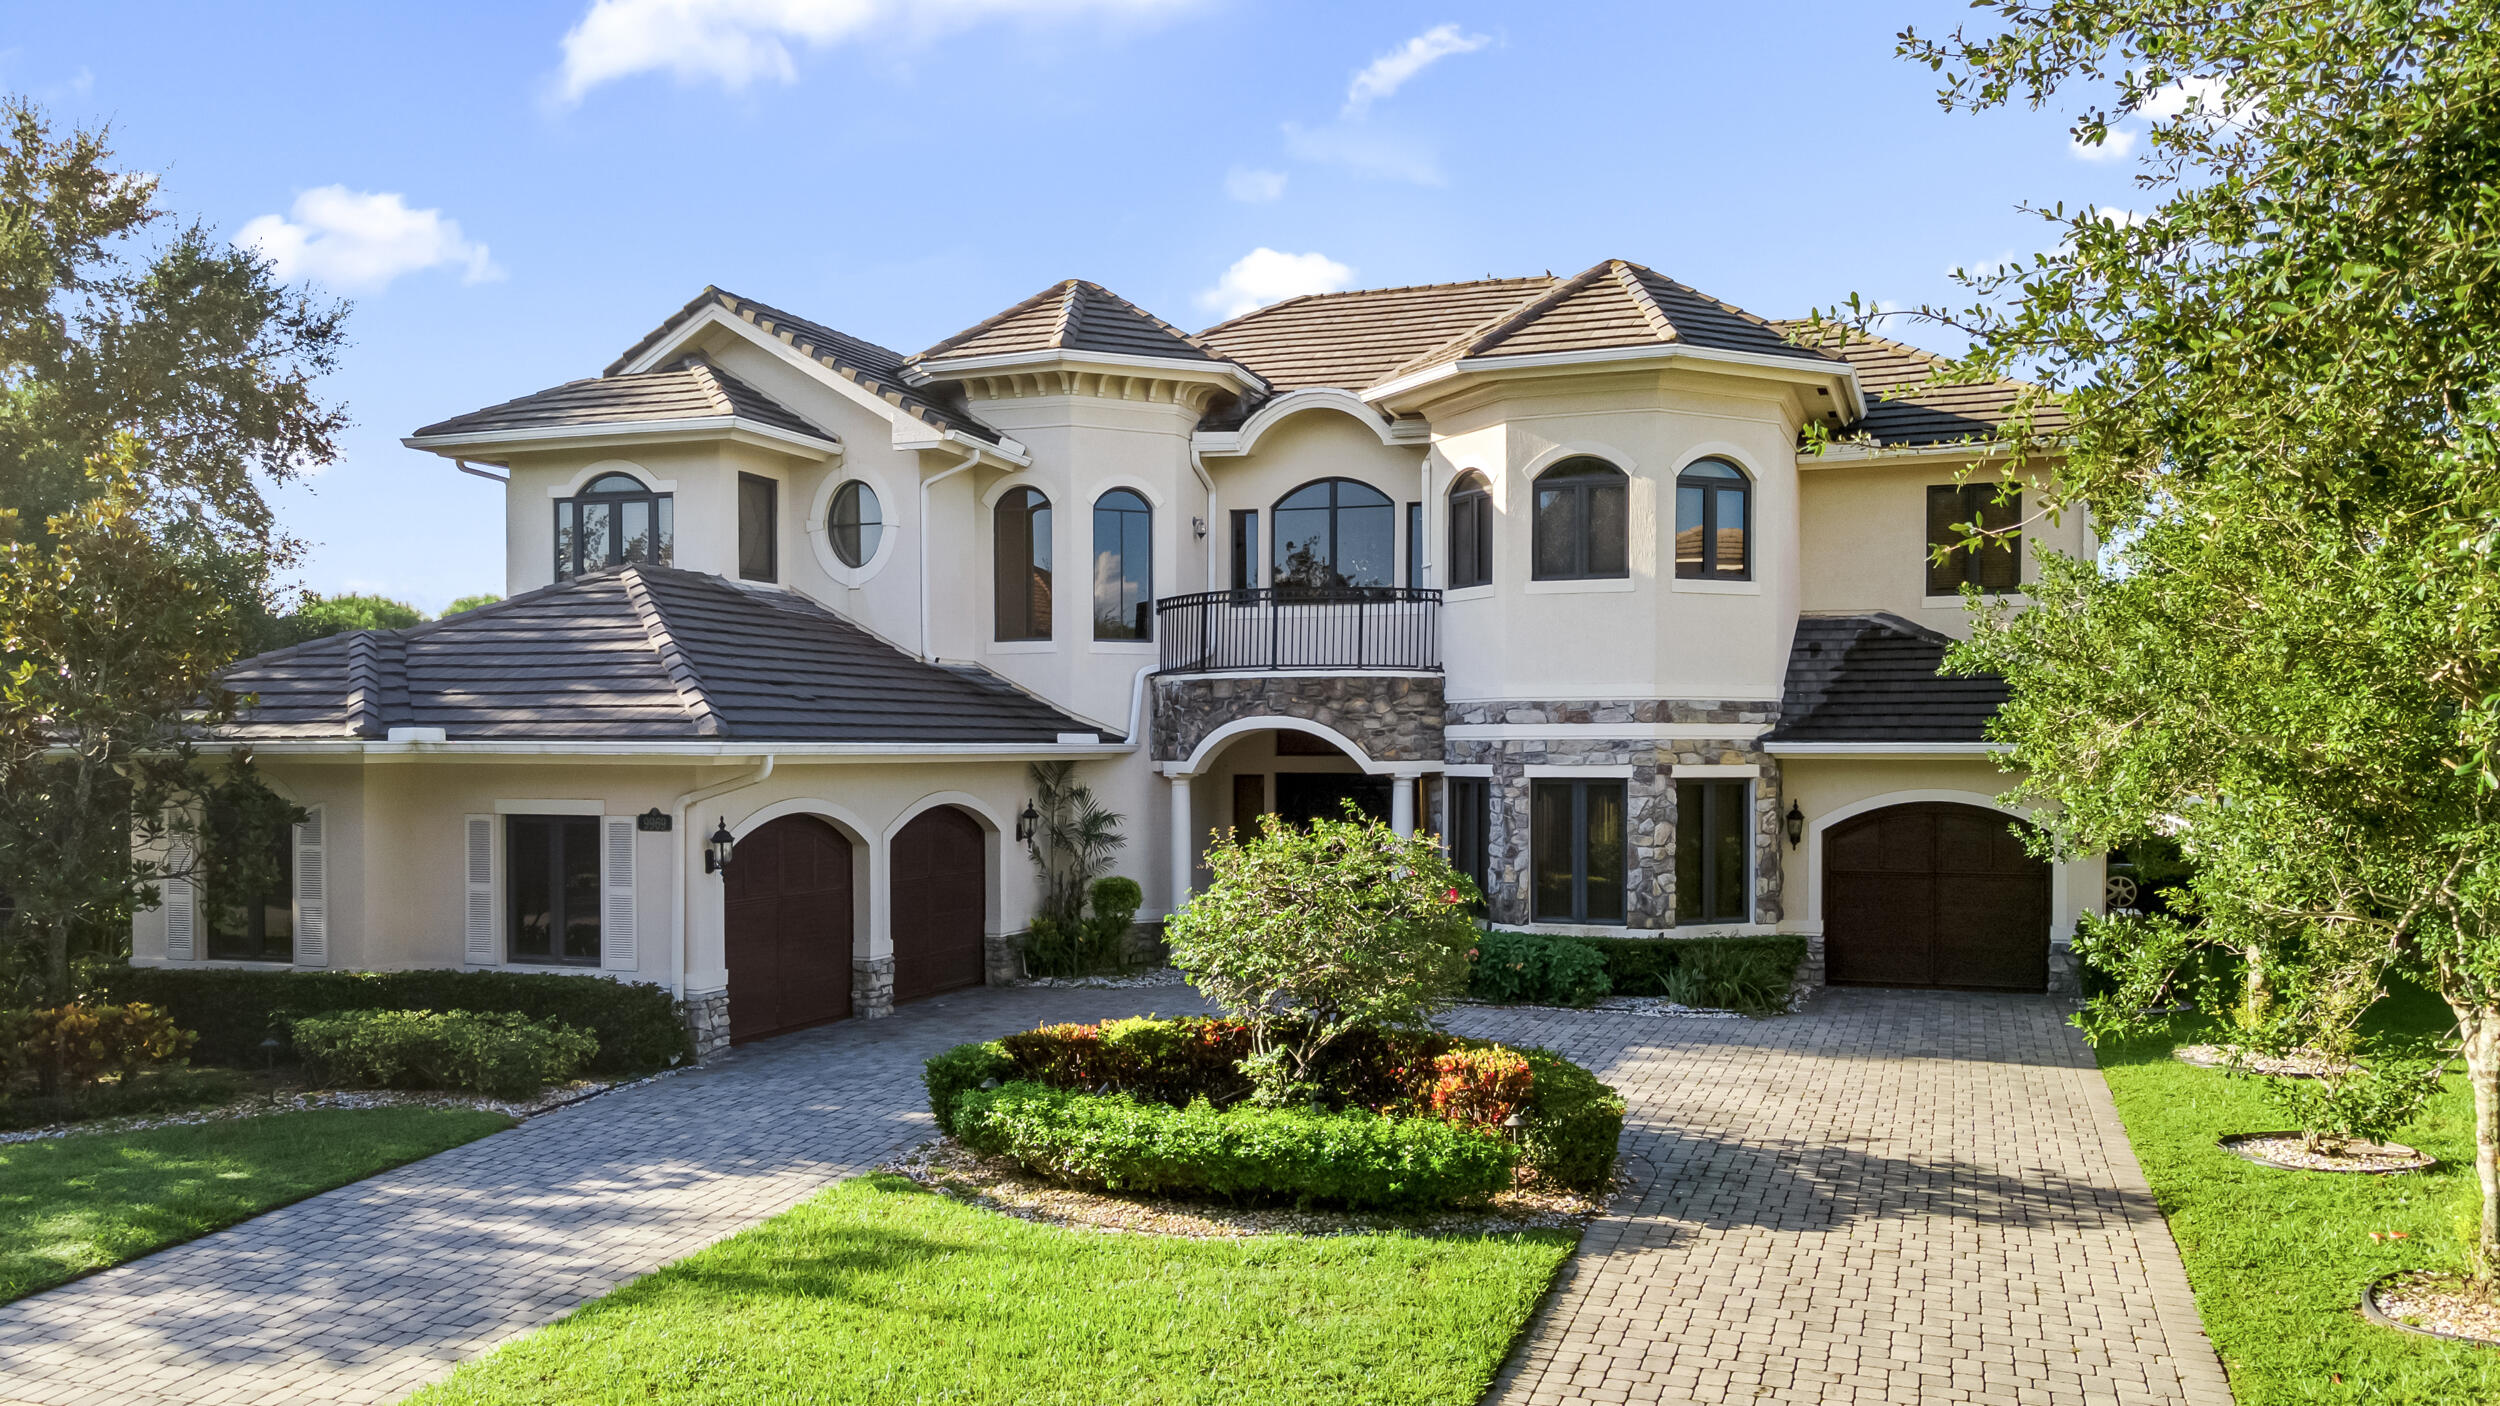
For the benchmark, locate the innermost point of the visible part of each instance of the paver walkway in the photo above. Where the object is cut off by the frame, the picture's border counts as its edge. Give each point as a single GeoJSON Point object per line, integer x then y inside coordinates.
{"type": "Point", "coordinates": [1894, 1197]}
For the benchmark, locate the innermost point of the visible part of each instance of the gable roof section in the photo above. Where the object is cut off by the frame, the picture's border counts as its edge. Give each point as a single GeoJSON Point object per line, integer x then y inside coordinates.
{"type": "Point", "coordinates": [1351, 340]}
{"type": "Point", "coordinates": [875, 369]}
{"type": "Point", "coordinates": [1616, 305]}
{"type": "Point", "coordinates": [1899, 415]}
{"type": "Point", "coordinates": [1071, 315]}
{"type": "Point", "coordinates": [1872, 678]}
{"type": "Point", "coordinates": [693, 389]}
{"type": "Point", "coordinates": [637, 654]}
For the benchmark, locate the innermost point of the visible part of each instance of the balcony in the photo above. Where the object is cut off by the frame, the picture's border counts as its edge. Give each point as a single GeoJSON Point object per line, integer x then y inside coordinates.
{"type": "Point", "coordinates": [1300, 627]}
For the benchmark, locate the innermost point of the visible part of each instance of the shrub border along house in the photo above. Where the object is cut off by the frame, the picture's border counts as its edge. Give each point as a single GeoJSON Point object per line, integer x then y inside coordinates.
{"type": "Point", "coordinates": [1750, 974]}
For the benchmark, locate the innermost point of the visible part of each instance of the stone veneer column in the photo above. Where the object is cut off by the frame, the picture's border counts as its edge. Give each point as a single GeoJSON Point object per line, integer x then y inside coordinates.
{"type": "Point", "coordinates": [1002, 959]}
{"type": "Point", "coordinates": [707, 1021]}
{"type": "Point", "coordinates": [872, 987]}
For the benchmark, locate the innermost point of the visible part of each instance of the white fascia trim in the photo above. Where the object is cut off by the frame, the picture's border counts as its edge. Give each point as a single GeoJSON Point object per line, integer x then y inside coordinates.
{"type": "Point", "coordinates": [1589, 732]}
{"type": "Point", "coordinates": [1797, 366]}
{"type": "Point", "coordinates": [1905, 750]}
{"type": "Point", "coordinates": [366, 749]}
{"type": "Point", "coordinates": [1232, 443]}
{"type": "Point", "coordinates": [1301, 674]}
{"type": "Point", "coordinates": [701, 427]}
{"type": "Point", "coordinates": [1008, 454]}
{"type": "Point", "coordinates": [1611, 771]}
{"type": "Point", "coordinates": [921, 373]}
{"type": "Point", "coordinates": [1733, 771]}
{"type": "Point", "coordinates": [1964, 451]}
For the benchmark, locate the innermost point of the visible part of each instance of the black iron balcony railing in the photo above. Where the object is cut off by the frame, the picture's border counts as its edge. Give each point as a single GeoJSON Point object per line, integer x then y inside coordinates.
{"type": "Point", "coordinates": [1301, 627]}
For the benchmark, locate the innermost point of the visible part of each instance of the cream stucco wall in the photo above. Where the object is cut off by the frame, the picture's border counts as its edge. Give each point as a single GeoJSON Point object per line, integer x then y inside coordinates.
{"type": "Point", "coordinates": [1864, 529]}
{"type": "Point", "coordinates": [1317, 443]}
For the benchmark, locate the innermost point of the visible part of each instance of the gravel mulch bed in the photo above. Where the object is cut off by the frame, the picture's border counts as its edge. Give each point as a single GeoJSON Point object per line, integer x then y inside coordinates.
{"type": "Point", "coordinates": [259, 1105]}
{"type": "Point", "coordinates": [2285, 1150]}
{"type": "Point", "coordinates": [2299, 1064]}
{"type": "Point", "coordinates": [2441, 1305]}
{"type": "Point", "coordinates": [1157, 976]}
{"type": "Point", "coordinates": [948, 1167]}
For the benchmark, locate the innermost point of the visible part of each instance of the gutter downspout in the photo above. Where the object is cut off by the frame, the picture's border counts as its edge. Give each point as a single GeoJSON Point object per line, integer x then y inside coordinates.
{"type": "Point", "coordinates": [685, 888]}
{"type": "Point", "coordinates": [971, 457]}
{"type": "Point", "coordinates": [1206, 482]}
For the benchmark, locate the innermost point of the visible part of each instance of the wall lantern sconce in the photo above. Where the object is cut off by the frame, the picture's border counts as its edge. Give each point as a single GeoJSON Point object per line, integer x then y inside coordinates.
{"type": "Point", "coordinates": [1198, 525]}
{"type": "Point", "coordinates": [716, 848]}
{"type": "Point", "coordinates": [1796, 825]}
{"type": "Point", "coordinates": [1025, 822]}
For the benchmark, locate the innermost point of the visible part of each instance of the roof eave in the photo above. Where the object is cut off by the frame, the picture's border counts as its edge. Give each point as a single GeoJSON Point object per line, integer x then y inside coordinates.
{"type": "Point", "coordinates": [367, 749]}
{"type": "Point", "coordinates": [1810, 369]}
{"type": "Point", "coordinates": [1897, 751]}
{"type": "Point", "coordinates": [920, 373]}
{"type": "Point", "coordinates": [484, 445]}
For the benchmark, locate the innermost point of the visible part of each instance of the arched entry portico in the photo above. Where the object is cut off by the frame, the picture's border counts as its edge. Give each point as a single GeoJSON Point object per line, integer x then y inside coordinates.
{"type": "Point", "coordinates": [1287, 766]}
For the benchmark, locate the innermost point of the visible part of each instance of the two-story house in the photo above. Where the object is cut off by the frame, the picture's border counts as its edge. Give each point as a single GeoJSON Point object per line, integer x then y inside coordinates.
{"type": "Point", "coordinates": [1537, 563]}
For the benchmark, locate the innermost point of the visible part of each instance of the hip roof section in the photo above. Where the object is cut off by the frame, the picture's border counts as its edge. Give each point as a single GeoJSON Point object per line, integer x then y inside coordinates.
{"type": "Point", "coordinates": [1873, 678]}
{"type": "Point", "coordinates": [693, 389]}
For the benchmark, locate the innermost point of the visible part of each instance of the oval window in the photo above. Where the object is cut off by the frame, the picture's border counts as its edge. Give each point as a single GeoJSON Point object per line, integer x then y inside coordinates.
{"type": "Point", "coordinates": [855, 523]}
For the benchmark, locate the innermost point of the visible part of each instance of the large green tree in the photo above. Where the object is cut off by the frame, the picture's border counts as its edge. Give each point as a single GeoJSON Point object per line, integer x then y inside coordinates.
{"type": "Point", "coordinates": [154, 381]}
{"type": "Point", "coordinates": [2281, 373]}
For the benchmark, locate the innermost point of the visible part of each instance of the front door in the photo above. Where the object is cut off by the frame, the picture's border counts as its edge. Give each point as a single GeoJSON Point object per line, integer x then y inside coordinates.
{"type": "Point", "coordinates": [1934, 894]}
{"type": "Point", "coordinates": [941, 900]}
{"type": "Point", "coordinates": [788, 928]}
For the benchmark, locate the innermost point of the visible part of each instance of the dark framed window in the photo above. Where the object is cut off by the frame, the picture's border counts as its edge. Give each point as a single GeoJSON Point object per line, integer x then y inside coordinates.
{"type": "Point", "coordinates": [1124, 579]}
{"type": "Point", "coordinates": [1335, 533]}
{"type": "Point", "coordinates": [616, 518]}
{"type": "Point", "coordinates": [1713, 522]}
{"type": "Point", "coordinates": [1712, 855]}
{"type": "Point", "coordinates": [1023, 565]}
{"type": "Point", "coordinates": [254, 920]}
{"type": "Point", "coordinates": [856, 523]}
{"type": "Point", "coordinates": [1994, 563]}
{"type": "Point", "coordinates": [1468, 820]}
{"type": "Point", "coordinates": [552, 864]}
{"type": "Point", "coordinates": [1575, 850]}
{"type": "Point", "coordinates": [1583, 521]}
{"type": "Point", "coordinates": [1471, 533]}
{"type": "Point", "coordinates": [1414, 546]}
{"type": "Point", "coordinates": [759, 513]}
{"type": "Point", "coordinates": [1245, 549]}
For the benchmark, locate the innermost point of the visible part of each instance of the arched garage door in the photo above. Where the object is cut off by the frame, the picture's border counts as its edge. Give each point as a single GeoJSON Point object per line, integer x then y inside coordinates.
{"type": "Point", "coordinates": [941, 897]}
{"type": "Point", "coordinates": [788, 928]}
{"type": "Point", "coordinates": [1934, 894]}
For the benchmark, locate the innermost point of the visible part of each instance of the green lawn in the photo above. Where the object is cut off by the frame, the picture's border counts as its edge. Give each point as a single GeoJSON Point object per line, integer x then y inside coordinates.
{"type": "Point", "coordinates": [877, 1291]}
{"type": "Point", "coordinates": [72, 1204]}
{"type": "Point", "coordinates": [2278, 1259]}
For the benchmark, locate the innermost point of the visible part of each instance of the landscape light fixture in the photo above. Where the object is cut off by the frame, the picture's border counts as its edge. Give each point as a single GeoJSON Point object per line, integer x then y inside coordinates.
{"type": "Point", "coordinates": [717, 846]}
{"type": "Point", "coordinates": [1796, 825]}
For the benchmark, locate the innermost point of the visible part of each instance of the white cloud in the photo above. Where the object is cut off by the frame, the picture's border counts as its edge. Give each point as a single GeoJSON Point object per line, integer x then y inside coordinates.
{"type": "Point", "coordinates": [1388, 73]}
{"type": "Point", "coordinates": [1265, 276]}
{"type": "Point", "coordinates": [354, 241]}
{"type": "Point", "coordinates": [2007, 262]}
{"type": "Point", "coordinates": [1364, 151]}
{"type": "Point", "coordinates": [2173, 101]}
{"type": "Point", "coordinates": [736, 42]}
{"type": "Point", "coordinates": [2114, 146]}
{"type": "Point", "coordinates": [1254, 187]}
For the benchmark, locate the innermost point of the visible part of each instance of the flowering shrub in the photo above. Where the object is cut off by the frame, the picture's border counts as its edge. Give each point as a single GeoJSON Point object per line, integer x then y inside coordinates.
{"type": "Point", "coordinates": [1478, 1087]}
{"type": "Point", "coordinates": [70, 1046]}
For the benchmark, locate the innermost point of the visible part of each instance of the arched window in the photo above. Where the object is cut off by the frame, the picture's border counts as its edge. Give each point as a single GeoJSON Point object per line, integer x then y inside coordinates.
{"type": "Point", "coordinates": [1023, 565]}
{"type": "Point", "coordinates": [1124, 589]}
{"type": "Point", "coordinates": [1713, 522]}
{"type": "Point", "coordinates": [1333, 534]}
{"type": "Point", "coordinates": [1583, 510]}
{"type": "Point", "coordinates": [616, 518]}
{"type": "Point", "coordinates": [856, 523]}
{"type": "Point", "coordinates": [1471, 532]}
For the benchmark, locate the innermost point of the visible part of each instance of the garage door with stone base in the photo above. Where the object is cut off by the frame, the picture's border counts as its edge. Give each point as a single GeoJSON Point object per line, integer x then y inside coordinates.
{"type": "Point", "coordinates": [941, 899]}
{"type": "Point", "coordinates": [788, 928]}
{"type": "Point", "coordinates": [1934, 894]}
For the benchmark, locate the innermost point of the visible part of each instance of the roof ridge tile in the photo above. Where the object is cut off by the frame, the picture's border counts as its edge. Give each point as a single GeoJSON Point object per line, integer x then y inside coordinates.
{"type": "Point", "coordinates": [681, 672]}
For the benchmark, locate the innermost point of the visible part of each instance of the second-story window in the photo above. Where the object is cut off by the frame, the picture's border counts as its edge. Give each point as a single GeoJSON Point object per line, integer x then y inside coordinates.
{"type": "Point", "coordinates": [856, 523]}
{"type": "Point", "coordinates": [1471, 533]}
{"type": "Point", "coordinates": [1994, 563]}
{"type": "Point", "coordinates": [1124, 590]}
{"type": "Point", "coordinates": [1583, 521]}
{"type": "Point", "coordinates": [616, 518]}
{"type": "Point", "coordinates": [1713, 522]}
{"type": "Point", "coordinates": [759, 524]}
{"type": "Point", "coordinates": [1023, 565]}
{"type": "Point", "coordinates": [1333, 534]}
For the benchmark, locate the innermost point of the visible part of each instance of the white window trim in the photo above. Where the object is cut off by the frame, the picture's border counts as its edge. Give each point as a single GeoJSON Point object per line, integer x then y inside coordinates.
{"type": "Point", "coordinates": [819, 532]}
{"type": "Point", "coordinates": [1954, 602]}
{"type": "Point", "coordinates": [1702, 586]}
{"type": "Point", "coordinates": [1617, 771]}
{"type": "Point", "coordinates": [1474, 770]}
{"type": "Point", "coordinates": [1732, 771]}
{"type": "Point", "coordinates": [1459, 593]}
{"type": "Point", "coordinates": [1581, 586]}
{"type": "Point", "coordinates": [551, 808]}
{"type": "Point", "coordinates": [1025, 646]}
{"type": "Point", "coordinates": [572, 487]}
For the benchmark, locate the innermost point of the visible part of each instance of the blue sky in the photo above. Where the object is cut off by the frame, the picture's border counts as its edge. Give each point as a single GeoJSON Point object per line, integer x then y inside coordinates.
{"type": "Point", "coordinates": [512, 193]}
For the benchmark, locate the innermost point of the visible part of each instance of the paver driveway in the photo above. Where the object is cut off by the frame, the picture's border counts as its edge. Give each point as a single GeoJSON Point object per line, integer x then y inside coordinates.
{"type": "Point", "coordinates": [1892, 1197]}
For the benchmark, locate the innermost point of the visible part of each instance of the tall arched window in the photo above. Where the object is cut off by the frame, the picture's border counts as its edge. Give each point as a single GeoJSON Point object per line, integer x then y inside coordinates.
{"type": "Point", "coordinates": [1124, 591]}
{"type": "Point", "coordinates": [1023, 562]}
{"type": "Point", "coordinates": [1335, 533]}
{"type": "Point", "coordinates": [616, 518]}
{"type": "Point", "coordinates": [1471, 532]}
{"type": "Point", "coordinates": [1583, 513]}
{"type": "Point", "coordinates": [1713, 522]}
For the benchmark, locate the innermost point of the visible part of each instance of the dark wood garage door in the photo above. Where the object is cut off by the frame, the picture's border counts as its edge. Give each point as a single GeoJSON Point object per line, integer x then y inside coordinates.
{"type": "Point", "coordinates": [1934, 895]}
{"type": "Point", "coordinates": [788, 925]}
{"type": "Point", "coordinates": [940, 900]}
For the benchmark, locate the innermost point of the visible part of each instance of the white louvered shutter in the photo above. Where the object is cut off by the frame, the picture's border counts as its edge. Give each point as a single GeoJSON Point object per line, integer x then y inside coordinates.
{"type": "Point", "coordinates": [312, 884]}
{"type": "Point", "coordinates": [616, 893]}
{"type": "Point", "coordinates": [181, 903]}
{"type": "Point", "coordinates": [480, 864]}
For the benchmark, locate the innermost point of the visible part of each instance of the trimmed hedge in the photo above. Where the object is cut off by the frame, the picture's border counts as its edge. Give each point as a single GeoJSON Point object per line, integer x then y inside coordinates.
{"type": "Point", "coordinates": [1751, 974]}
{"type": "Point", "coordinates": [637, 1025]}
{"type": "Point", "coordinates": [1355, 1159]}
{"type": "Point", "coordinates": [507, 1055]}
{"type": "Point", "coordinates": [1534, 968]}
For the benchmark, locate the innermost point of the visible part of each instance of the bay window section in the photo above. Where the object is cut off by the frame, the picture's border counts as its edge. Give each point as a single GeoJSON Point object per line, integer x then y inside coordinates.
{"type": "Point", "coordinates": [1713, 857]}
{"type": "Point", "coordinates": [1583, 522]}
{"type": "Point", "coordinates": [553, 861]}
{"type": "Point", "coordinates": [1713, 522]}
{"type": "Point", "coordinates": [616, 518]}
{"type": "Point", "coordinates": [1576, 850]}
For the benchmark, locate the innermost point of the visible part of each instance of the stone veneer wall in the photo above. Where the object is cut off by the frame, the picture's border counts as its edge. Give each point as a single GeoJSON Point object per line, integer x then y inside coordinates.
{"type": "Point", "coordinates": [1650, 793]}
{"type": "Point", "coordinates": [1392, 717]}
{"type": "Point", "coordinates": [707, 1020]}
{"type": "Point", "coordinates": [872, 987]}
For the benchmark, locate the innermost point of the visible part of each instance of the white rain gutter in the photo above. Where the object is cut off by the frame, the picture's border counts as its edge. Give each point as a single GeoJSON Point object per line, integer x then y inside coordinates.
{"type": "Point", "coordinates": [685, 884]}
{"type": "Point", "coordinates": [970, 458]}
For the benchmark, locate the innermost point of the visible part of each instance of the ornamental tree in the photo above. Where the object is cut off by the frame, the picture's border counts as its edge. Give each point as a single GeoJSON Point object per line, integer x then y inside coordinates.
{"type": "Point", "coordinates": [2281, 374]}
{"type": "Point", "coordinates": [1307, 932]}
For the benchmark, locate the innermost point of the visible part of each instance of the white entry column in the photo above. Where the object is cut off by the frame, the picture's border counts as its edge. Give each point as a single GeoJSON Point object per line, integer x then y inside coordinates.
{"type": "Point", "coordinates": [1402, 804]}
{"type": "Point", "coordinates": [1184, 856]}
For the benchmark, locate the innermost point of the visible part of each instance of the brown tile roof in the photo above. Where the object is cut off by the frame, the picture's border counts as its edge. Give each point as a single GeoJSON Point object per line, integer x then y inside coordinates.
{"type": "Point", "coordinates": [1615, 305]}
{"type": "Point", "coordinates": [1874, 678]}
{"type": "Point", "coordinates": [693, 389]}
{"type": "Point", "coordinates": [876, 369]}
{"type": "Point", "coordinates": [637, 653]}
{"type": "Point", "coordinates": [1896, 413]}
{"type": "Point", "coordinates": [1352, 340]}
{"type": "Point", "coordinates": [1071, 315]}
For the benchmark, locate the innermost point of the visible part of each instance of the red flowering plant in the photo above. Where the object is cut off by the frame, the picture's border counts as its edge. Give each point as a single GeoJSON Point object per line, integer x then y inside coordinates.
{"type": "Point", "coordinates": [1478, 1087]}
